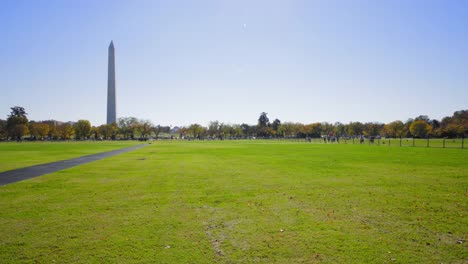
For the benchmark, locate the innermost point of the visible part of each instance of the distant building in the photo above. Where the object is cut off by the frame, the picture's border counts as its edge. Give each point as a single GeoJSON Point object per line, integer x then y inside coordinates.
{"type": "Point", "coordinates": [111, 105]}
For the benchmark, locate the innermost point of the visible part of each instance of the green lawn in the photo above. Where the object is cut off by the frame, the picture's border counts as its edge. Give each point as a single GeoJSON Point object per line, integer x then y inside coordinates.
{"type": "Point", "coordinates": [396, 142]}
{"type": "Point", "coordinates": [15, 155]}
{"type": "Point", "coordinates": [244, 202]}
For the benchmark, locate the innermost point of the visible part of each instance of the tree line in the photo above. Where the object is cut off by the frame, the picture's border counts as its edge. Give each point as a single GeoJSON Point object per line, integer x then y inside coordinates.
{"type": "Point", "coordinates": [419, 127]}
{"type": "Point", "coordinates": [18, 127]}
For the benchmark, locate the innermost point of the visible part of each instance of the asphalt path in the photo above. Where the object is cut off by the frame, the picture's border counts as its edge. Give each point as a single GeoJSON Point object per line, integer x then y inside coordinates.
{"type": "Point", "coordinates": [38, 170]}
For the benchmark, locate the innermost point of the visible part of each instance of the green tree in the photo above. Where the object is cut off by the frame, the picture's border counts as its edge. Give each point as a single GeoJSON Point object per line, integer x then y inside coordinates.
{"type": "Point", "coordinates": [406, 128]}
{"type": "Point", "coordinates": [287, 129]}
{"type": "Point", "coordinates": [340, 129]}
{"type": "Point", "coordinates": [237, 130]}
{"type": "Point", "coordinates": [246, 130]}
{"type": "Point", "coordinates": [127, 126]}
{"type": "Point", "coordinates": [327, 129]}
{"type": "Point", "coordinates": [17, 123]}
{"type": "Point", "coordinates": [275, 125]}
{"type": "Point", "coordinates": [157, 130]}
{"type": "Point", "coordinates": [222, 131]}
{"type": "Point", "coordinates": [3, 129]}
{"type": "Point", "coordinates": [423, 118]}
{"type": "Point", "coordinates": [195, 130]}
{"type": "Point", "coordinates": [262, 125]}
{"type": "Point", "coordinates": [82, 129]}
{"type": "Point", "coordinates": [435, 124]}
{"type": "Point", "coordinates": [263, 119]}
{"type": "Point", "coordinates": [213, 129]}
{"type": "Point", "coordinates": [228, 130]}
{"type": "Point", "coordinates": [145, 127]}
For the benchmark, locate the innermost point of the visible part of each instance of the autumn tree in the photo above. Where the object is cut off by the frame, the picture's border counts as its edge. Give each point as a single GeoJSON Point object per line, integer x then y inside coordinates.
{"type": "Point", "coordinates": [315, 130]}
{"type": "Point", "coordinates": [42, 130]}
{"type": "Point", "coordinates": [455, 125]}
{"type": "Point", "coordinates": [307, 129]}
{"type": "Point", "coordinates": [393, 129]}
{"type": "Point", "coordinates": [52, 129]}
{"type": "Point", "coordinates": [82, 129]}
{"type": "Point", "coordinates": [354, 128]}
{"type": "Point", "coordinates": [299, 130]}
{"type": "Point", "coordinates": [108, 131]}
{"type": "Point", "coordinates": [65, 131]}
{"type": "Point", "coordinates": [461, 118]}
{"type": "Point", "coordinates": [269, 131]}
{"type": "Point", "coordinates": [96, 133]}
{"type": "Point", "coordinates": [452, 130]}
{"type": "Point", "coordinates": [419, 128]}
{"type": "Point", "coordinates": [372, 129]}
{"type": "Point", "coordinates": [144, 127]}
{"type": "Point", "coordinates": [39, 130]}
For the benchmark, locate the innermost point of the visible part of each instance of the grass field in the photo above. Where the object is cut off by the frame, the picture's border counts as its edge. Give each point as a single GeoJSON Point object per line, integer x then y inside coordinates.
{"type": "Point", "coordinates": [18, 155]}
{"type": "Point", "coordinates": [395, 142]}
{"type": "Point", "coordinates": [244, 202]}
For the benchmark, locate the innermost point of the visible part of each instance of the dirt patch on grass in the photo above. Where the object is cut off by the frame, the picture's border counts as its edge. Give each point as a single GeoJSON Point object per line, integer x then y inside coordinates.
{"type": "Point", "coordinates": [214, 240]}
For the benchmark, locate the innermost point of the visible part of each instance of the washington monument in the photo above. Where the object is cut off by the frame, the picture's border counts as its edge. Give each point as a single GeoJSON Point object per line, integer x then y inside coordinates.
{"type": "Point", "coordinates": [111, 105]}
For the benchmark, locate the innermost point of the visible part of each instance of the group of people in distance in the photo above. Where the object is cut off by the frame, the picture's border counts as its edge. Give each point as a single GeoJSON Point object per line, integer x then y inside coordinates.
{"type": "Point", "coordinates": [332, 139]}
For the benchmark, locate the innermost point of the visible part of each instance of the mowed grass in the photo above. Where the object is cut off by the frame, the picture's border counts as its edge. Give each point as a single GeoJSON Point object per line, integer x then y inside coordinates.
{"type": "Point", "coordinates": [15, 155]}
{"type": "Point", "coordinates": [244, 202]}
{"type": "Point", "coordinates": [395, 142]}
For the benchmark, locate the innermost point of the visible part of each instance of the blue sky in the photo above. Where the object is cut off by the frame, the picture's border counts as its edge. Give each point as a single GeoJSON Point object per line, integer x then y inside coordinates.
{"type": "Point", "coordinates": [182, 62]}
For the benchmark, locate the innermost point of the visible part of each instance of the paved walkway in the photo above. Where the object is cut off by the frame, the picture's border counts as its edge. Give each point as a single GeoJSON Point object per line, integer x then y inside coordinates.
{"type": "Point", "coordinates": [38, 170]}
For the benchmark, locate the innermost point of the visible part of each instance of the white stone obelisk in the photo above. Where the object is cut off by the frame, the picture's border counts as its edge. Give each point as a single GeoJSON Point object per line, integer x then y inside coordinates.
{"type": "Point", "coordinates": [111, 105]}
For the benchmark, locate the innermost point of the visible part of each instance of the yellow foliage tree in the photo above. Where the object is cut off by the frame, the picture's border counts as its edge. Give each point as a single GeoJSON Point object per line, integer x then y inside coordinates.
{"type": "Point", "coordinates": [420, 128]}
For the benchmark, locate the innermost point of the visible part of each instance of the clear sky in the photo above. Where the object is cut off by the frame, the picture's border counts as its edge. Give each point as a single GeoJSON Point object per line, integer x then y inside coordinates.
{"type": "Point", "coordinates": [182, 62]}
